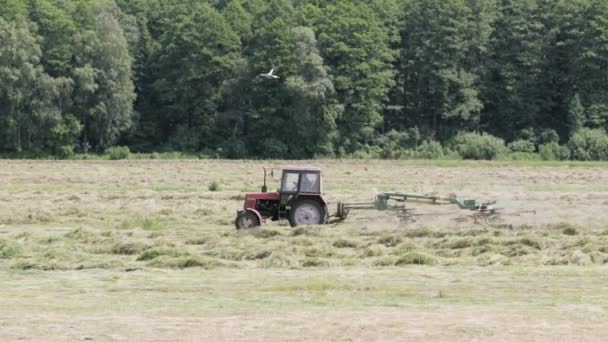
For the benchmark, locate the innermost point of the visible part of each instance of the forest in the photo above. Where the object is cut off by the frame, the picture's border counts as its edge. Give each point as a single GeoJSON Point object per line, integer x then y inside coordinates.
{"type": "Point", "coordinates": [473, 79]}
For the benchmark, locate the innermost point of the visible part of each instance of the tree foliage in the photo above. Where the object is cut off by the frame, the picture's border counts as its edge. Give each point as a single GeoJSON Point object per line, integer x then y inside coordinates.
{"type": "Point", "coordinates": [386, 78]}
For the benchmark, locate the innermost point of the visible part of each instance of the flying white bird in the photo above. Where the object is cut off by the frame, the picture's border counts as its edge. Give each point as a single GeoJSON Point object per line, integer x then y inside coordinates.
{"type": "Point", "coordinates": [270, 75]}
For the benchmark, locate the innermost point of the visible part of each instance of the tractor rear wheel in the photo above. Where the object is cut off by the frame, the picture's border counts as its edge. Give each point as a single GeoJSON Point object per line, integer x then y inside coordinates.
{"type": "Point", "coordinates": [246, 220]}
{"type": "Point", "coordinates": [306, 212]}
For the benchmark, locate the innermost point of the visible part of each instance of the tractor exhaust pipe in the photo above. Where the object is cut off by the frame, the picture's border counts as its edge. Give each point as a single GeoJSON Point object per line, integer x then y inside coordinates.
{"type": "Point", "coordinates": [264, 187]}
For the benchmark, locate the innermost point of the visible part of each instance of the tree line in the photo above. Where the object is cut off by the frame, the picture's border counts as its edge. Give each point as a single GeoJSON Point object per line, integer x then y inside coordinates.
{"type": "Point", "coordinates": [380, 78]}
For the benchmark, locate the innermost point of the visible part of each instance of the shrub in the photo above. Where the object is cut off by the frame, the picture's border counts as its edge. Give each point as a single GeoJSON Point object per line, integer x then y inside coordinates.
{"type": "Point", "coordinates": [370, 152]}
{"type": "Point", "coordinates": [523, 156]}
{"type": "Point", "coordinates": [390, 143]}
{"type": "Point", "coordinates": [214, 186]}
{"type": "Point", "coordinates": [479, 146]}
{"type": "Point", "coordinates": [526, 134]}
{"type": "Point", "coordinates": [66, 152]}
{"type": "Point", "coordinates": [522, 146]}
{"type": "Point", "coordinates": [589, 144]}
{"type": "Point", "coordinates": [548, 136]}
{"type": "Point", "coordinates": [450, 154]}
{"type": "Point", "coordinates": [549, 151]}
{"type": "Point", "coordinates": [564, 152]}
{"type": "Point", "coordinates": [430, 150]}
{"type": "Point", "coordinates": [118, 152]}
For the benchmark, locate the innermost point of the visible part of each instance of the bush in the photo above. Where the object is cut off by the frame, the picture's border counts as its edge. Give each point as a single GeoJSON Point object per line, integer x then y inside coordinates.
{"type": "Point", "coordinates": [564, 153]}
{"type": "Point", "coordinates": [479, 146]}
{"type": "Point", "coordinates": [369, 152]}
{"type": "Point", "coordinates": [214, 186]}
{"type": "Point", "coordinates": [66, 152]}
{"type": "Point", "coordinates": [549, 151]}
{"type": "Point", "coordinates": [589, 144]}
{"type": "Point", "coordinates": [553, 151]}
{"type": "Point", "coordinates": [391, 143]}
{"type": "Point", "coordinates": [430, 150]}
{"type": "Point", "coordinates": [523, 156]}
{"type": "Point", "coordinates": [522, 146]}
{"type": "Point", "coordinates": [526, 134]}
{"type": "Point", "coordinates": [549, 136]}
{"type": "Point", "coordinates": [118, 152]}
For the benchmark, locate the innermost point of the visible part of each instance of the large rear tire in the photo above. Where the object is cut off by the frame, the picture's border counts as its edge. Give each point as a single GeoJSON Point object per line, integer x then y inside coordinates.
{"type": "Point", "coordinates": [246, 220]}
{"type": "Point", "coordinates": [307, 212]}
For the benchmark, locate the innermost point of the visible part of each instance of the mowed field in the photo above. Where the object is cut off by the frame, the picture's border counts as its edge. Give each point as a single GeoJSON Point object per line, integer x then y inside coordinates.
{"type": "Point", "coordinates": [142, 250]}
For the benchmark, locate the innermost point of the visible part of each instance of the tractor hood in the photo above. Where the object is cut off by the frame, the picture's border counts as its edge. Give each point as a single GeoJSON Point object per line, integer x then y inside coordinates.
{"type": "Point", "coordinates": [262, 196]}
{"type": "Point", "coordinates": [252, 197]}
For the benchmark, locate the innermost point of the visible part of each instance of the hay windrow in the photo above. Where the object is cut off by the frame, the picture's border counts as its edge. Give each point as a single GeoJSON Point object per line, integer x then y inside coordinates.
{"type": "Point", "coordinates": [279, 247]}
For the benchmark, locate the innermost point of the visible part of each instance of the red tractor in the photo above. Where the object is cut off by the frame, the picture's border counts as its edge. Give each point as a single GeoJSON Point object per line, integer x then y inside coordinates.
{"type": "Point", "coordinates": [299, 200]}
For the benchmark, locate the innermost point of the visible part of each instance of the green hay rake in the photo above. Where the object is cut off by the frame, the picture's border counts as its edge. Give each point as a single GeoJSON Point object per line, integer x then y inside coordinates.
{"type": "Point", "coordinates": [482, 212]}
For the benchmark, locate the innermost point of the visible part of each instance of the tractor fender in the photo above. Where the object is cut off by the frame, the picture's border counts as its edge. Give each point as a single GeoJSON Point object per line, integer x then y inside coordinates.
{"type": "Point", "coordinates": [316, 198]}
{"type": "Point", "coordinates": [257, 214]}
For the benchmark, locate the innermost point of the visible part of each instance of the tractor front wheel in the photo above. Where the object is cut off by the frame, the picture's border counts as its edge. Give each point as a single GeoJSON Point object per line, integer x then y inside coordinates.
{"type": "Point", "coordinates": [246, 220]}
{"type": "Point", "coordinates": [306, 212]}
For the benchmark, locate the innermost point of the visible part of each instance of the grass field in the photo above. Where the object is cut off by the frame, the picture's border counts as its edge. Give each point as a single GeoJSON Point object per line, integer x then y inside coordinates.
{"type": "Point", "coordinates": [143, 250]}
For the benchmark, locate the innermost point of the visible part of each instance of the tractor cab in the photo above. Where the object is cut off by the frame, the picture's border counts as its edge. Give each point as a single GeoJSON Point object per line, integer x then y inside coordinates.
{"type": "Point", "coordinates": [298, 199]}
{"type": "Point", "coordinates": [298, 182]}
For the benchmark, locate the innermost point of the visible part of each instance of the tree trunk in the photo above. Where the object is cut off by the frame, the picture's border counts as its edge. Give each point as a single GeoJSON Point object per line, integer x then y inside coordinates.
{"type": "Point", "coordinates": [18, 138]}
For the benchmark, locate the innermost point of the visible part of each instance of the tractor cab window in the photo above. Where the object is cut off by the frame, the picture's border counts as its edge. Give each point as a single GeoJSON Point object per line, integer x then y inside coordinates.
{"type": "Point", "coordinates": [310, 183]}
{"type": "Point", "coordinates": [290, 182]}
